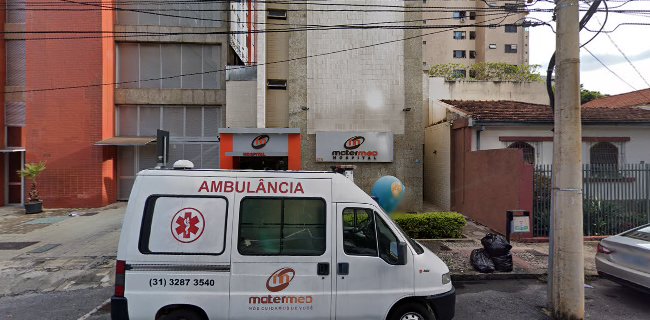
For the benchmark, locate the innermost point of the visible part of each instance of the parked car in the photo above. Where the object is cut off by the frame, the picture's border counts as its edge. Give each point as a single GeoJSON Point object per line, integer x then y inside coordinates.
{"type": "Point", "coordinates": [215, 244]}
{"type": "Point", "coordinates": [625, 258]}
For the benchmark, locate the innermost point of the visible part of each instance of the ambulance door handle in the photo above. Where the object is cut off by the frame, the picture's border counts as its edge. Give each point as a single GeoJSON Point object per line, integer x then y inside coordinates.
{"type": "Point", "coordinates": [343, 269]}
{"type": "Point", "coordinates": [323, 269]}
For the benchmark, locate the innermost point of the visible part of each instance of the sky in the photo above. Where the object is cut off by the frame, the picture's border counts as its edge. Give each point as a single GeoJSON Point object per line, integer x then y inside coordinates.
{"type": "Point", "coordinates": [632, 40]}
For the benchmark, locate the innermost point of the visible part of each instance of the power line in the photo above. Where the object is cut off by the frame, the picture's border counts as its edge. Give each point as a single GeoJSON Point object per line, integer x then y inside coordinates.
{"type": "Point", "coordinates": [255, 65]}
{"type": "Point", "coordinates": [610, 70]}
{"type": "Point", "coordinates": [626, 58]}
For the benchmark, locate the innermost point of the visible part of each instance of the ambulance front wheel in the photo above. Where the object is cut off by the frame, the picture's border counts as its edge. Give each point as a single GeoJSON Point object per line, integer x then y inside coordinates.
{"type": "Point", "coordinates": [413, 311]}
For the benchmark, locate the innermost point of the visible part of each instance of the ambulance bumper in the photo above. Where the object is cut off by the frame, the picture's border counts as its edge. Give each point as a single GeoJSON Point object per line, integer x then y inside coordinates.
{"type": "Point", "coordinates": [119, 308]}
{"type": "Point", "coordinates": [444, 305]}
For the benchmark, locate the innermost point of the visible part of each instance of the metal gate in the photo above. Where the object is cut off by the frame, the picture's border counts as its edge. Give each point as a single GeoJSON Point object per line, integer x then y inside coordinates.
{"type": "Point", "coordinates": [615, 198]}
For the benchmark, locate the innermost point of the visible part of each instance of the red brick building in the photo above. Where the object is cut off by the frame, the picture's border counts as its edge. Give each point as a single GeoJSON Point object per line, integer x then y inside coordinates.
{"type": "Point", "coordinates": [64, 93]}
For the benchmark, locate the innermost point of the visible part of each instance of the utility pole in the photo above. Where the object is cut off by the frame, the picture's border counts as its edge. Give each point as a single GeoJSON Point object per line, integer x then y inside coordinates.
{"type": "Point", "coordinates": [566, 283]}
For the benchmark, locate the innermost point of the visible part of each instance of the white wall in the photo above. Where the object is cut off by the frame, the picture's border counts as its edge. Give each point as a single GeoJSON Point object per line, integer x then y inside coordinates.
{"type": "Point", "coordinates": [531, 92]}
{"type": "Point", "coordinates": [357, 90]}
{"type": "Point", "coordinates": [241, 104]}
{"type": "Point", "coordinates": [634, 151]}
{"type": "Point", "coordinates": [437, 166]}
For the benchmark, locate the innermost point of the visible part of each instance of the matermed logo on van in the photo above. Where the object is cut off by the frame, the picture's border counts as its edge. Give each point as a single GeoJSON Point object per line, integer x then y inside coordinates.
{"type": "Point", "coordinates": [280, 279]}
{"type": "Point", "coordinates": [276, 282]}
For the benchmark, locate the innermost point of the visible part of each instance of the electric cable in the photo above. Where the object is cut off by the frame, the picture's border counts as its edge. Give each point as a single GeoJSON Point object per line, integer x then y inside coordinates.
{"type": "Point", "coordinates": [253, 65]}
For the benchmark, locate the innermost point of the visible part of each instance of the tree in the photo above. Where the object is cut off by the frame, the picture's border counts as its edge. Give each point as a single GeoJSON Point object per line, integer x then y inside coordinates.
{"type": "Point", "coordinates": [588, 95]}
{"type": "Point", "coordinates": [487, 71]}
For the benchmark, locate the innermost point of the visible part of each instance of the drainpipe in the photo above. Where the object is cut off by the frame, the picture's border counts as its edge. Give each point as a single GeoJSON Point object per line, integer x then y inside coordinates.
{"type": "Point", "coordinates": [478, 137]}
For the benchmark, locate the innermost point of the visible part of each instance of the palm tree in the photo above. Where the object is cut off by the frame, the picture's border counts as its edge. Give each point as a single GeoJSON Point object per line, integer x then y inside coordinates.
{"type": "Point", "coordinates": [31, 172]}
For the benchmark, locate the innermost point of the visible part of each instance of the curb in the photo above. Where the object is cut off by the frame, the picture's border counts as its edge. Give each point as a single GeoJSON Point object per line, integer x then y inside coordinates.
{"type": "Point", "coordinates": [496, 276]}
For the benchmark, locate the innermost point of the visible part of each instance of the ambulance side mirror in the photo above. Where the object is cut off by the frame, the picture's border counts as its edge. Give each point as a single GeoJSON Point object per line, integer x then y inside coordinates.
{"type": "Point", "coordinates": [401, 254]}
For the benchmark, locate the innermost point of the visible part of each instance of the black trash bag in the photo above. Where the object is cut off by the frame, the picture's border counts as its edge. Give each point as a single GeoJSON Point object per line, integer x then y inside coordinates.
{"type": "Point", "coordinates": [495, 245]}
{"type": "Point", "coordinates": [503, 263]}
{"type": "Point", "coordinates": [481, 261]}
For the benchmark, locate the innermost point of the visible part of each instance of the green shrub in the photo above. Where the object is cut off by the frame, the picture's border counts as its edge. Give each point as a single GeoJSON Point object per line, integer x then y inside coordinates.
{"type": "Point", "coordinates": [433, 225]}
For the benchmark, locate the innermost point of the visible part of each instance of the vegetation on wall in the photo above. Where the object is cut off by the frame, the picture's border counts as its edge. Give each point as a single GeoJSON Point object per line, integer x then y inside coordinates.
{"type": "Point", "coordinates": [488, 71]}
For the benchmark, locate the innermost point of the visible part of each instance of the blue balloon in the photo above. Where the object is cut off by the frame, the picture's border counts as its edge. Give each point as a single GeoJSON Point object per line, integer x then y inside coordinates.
{"type": "Point", "coordinates": [389, 192]}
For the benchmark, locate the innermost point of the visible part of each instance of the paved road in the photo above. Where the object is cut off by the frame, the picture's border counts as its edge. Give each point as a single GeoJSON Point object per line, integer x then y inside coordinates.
{"type": "Point", "coordinates": [526, 299]}
{"type": "Point", "coordinates": [506, 299]}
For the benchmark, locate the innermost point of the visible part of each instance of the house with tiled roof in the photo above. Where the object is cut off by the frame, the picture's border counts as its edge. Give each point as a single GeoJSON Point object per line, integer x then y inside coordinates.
{"type": "Point", "coordinates": [613, 133]}
{"type": "Point", "coordinates": [630, 99]}
{"type": "Point", "coordinates": [483, 158]}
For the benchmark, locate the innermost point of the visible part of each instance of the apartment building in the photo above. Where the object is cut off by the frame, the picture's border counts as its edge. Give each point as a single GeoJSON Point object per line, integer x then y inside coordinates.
{"type": "Point", "coordinates": [487, 31]}
{"type": "Point", "coordinates": [231, 93]}
{"type": "Point", "coordinates": [350, 103]}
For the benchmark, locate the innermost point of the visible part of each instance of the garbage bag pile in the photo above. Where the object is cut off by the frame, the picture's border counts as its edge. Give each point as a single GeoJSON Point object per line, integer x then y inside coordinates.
{"type": "Point", "coordinates": [495, 255]}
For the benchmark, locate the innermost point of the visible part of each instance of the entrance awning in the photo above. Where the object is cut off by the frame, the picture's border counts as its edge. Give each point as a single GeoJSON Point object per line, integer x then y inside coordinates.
{"type": "Point", "coordinates": [12, 149]}
{"type": "Point", "coordinates": [126, 141]}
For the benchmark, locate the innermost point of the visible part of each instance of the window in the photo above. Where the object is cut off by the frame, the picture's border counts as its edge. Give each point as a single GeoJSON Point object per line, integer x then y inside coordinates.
{"type": "Point", "coordinates": [276, 84]}
{"type": "Point", "coordinates": [387, 242]}
{"type": "Point", "coordinates": [460, 54]}
{"type": "Point", "coordinates": [472, 15]}
{"type": "Point", "coordinates": [16, 62]}
{"type": "Point", "coordinates": [458, 14]}
{"type": "Point", "coordinates": [424, 42]}
{"type": "Point", "coordinates": [172, 13]}
{"type": "Point", "coordinates": [276, 14]}
{"type": "Point", "coordinates": [492, 26]}
{"type": "Point", "coordinates": [472, 54]}
{"type": "Point", "coordinates": [511, 48]}
{"type": "Point", "coordinates": [16, 11]}
{"type": "Point", "coordinates": [492, 46]}
{"type": "Point", "coordinates": [359, 237]}
{"type": "Point", "coordinates": [459, 35]}
{"type": "Point", "coordinates": [472, 35]}
{"type": "Point", "coordinates": [193, 136]}
{"type": "Point", "coordinates": [511, 28]}
{"type": "Point", "coordinates": [459, 73]}
{"type": "Point", "coordinates": [158, 65]}
{"type": "Point", "coordinates": [198, 225]}
{"type": "Point", "coordinates": [282, 227]}
{"type": "Point", "coordinates": [529, 151]}
{"type": "Point", "coordinates": [603, 157]}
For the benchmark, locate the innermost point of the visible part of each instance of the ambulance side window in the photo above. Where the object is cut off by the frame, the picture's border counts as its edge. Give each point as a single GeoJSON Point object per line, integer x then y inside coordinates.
{"type": "Point", "coordinates": [282, 227]}
{"type": "Point", "coordinates": [359, 237]}
{"type": "Point", "coordinates": [184, 225]}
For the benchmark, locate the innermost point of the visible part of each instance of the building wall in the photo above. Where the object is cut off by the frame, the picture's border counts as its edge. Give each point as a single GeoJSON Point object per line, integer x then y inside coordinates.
{"type": "Point", "coordinates": [241, 104]}
{"type": "Point", "coordinates": [438, 46]}
{"type": "Point", "coordinates": [437, 166]}
{"type": "Point", "coordinates": [357, 90]}
{"type": "Point", "coordinates": [531, 92]}
{"type": "Point", "coordinates": [363, 90]}
{"type": "Point", "coordinates": [63, 125]}
{"type": "Point", "coordinates": [635, 151]}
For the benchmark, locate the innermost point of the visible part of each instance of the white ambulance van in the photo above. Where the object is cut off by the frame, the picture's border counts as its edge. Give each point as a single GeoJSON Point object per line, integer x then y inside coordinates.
{"type": "Point", "coordinates": [199, 244]}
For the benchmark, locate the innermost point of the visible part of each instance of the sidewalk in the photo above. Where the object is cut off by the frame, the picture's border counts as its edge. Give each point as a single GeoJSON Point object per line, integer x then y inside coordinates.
{"type": "Point", "coordinates": [530, 260]}
{"type": "Point", "coordinates": [54, 251]}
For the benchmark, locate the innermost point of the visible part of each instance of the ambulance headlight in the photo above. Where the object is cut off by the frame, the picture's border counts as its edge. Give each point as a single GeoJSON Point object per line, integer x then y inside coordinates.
{"type": "Point", "coordinates": [446, 278]}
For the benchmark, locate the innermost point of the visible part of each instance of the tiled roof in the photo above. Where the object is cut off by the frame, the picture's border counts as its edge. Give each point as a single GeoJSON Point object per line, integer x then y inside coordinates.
{"type": "Point", "coordinates": [513, 111]}
{"type": "Point", "coordinates": [634, 98]}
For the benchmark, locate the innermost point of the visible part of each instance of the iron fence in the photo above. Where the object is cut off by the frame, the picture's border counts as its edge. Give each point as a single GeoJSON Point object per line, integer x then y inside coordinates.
{"type": "Point", "coordinates": [615, 198]}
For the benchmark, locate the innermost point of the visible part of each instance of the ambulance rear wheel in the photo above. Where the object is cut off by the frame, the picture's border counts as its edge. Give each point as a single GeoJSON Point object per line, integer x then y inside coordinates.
{"type": "Point", "coordinates": [182, 314]}
{"type": "Point", "coordinates": [413, 311]}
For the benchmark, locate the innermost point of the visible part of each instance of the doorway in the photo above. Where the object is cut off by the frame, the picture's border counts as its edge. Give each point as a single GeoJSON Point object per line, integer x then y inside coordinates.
{"type": "Point", "coordinates": [263, 163]}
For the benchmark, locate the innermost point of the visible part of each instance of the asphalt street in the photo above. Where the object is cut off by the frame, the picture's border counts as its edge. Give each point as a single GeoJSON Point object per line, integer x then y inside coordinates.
{"type": "Point", "coordinates": [495, 299]}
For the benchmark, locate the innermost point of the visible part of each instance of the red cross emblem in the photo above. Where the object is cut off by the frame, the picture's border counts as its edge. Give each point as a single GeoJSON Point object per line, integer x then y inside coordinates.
{"type": "Point", "coordinates": [187, 225]}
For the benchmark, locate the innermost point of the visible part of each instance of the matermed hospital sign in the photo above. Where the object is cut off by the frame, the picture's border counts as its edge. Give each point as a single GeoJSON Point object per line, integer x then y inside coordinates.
{"type": "Point", "coordinates": [334, 146]}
